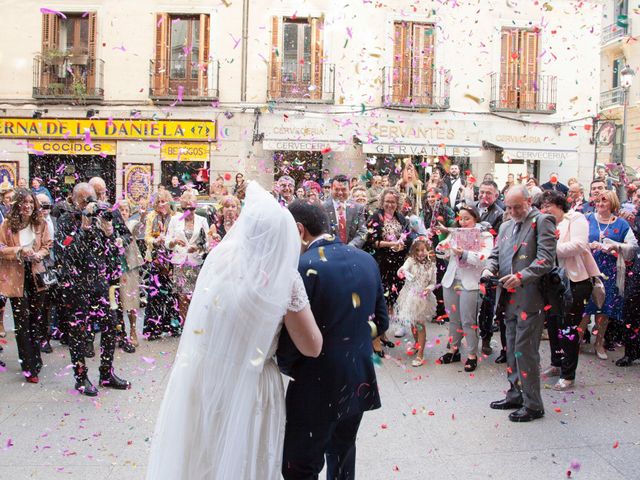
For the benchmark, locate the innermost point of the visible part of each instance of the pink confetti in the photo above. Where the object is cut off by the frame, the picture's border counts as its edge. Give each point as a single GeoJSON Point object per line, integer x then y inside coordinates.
{"type": "Point", "coordinates": [180, 92]}
{"type": "Point", "coordinates": [53, 12]}
{"type": "Point", "coordinates": [148, 360]}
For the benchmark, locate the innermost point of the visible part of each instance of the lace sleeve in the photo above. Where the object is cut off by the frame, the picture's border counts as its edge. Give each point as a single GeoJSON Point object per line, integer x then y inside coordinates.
{"type": "Point", "coordinates": [299, 298]}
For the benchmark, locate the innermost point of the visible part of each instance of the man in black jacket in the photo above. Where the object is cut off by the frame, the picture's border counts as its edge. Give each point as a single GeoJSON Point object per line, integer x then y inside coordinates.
{"type": "Point", "coordinates": [491, 214]}
{"type": "Point", "coordinates": [87, 257]}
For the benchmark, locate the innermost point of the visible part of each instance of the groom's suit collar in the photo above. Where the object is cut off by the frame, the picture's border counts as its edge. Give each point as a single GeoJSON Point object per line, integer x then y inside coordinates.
{"type": "Point", "coordinates": [322, 241]}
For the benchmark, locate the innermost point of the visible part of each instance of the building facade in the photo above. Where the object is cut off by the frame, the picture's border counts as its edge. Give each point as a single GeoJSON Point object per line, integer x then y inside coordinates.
{"type": "Point", "coordinates": [618, 50]}
{"type": "Point", "coordinates": [138, 92]}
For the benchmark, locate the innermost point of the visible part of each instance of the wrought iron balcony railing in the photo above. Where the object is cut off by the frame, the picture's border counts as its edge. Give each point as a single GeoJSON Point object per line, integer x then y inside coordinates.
{"type": "Point", "coordinates": [523, 93]}
{"type": "Point", "coordinates": [183, 80]}
{"type": "Point", "coordinates": [77, 79]}
{"type": "Point", "coordinates": [614, 32]}
{"type": "Point", "coordinates": [301, 82]}
{"type": "Point", "coordinates": [612, 98]}
{"type": "Point", "coordinates": [407, 87]}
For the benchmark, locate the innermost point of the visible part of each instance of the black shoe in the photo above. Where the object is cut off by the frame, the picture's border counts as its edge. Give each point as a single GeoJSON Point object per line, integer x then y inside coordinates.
{"type": "Point", "coordinates": [450, 358]}
{"type": "Point", "coordinates": [505, 405]}
{"type": "Point", "coordinates": [380, 353]}
{"type": "Point", "coordinates": [85, 387]}
{"type": "Point", "coordinates": [45, 347]}
{"type": "Point", "coordinates": [625, 361]}
{"type": "Point", "coordinates": [110, 380]}
{"type": "Point", "coordinates": [127, 346]}
{"type": "Point", "coordinates": [502, 358]}
{"type": "Point", "coordinates": [89, 350]}
{"type": "Point", "coordinates": [387, 343]}
{"type": "Point", "coordinates": [486, 346]}
{"type": "Point", "coordinates": [525, 415]}
{"type": "Point", "coordinates": [2, 364]}
{"type": "Point", "coordinates": [471, 364]}
{"type": "Point", "coordinates": [64, 340]}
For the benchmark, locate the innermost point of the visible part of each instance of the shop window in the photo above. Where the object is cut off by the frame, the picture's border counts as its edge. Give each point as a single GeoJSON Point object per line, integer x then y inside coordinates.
{"type": "Point", "coordinates": [181, 61]}
{"type": "Point", "coordinates": [413, 63]}
{"type": "Point", "coordinates": [519, 81]}
{"type": "Point", "coordinates": [296, 69]}
{"type": "Point", "coordinates": [189, 174]}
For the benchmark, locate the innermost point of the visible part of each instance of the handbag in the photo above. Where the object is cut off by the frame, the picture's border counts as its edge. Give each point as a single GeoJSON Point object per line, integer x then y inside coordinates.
{"type": "Point", "coordinates": [556, 288]}
{"type": "Point", "coordinates": [48, 278]}
{"type": "Point", "coordinates": [598, 292]}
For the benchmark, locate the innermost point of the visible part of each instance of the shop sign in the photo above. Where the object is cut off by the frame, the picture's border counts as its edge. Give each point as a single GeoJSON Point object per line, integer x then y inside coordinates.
{"type": "Point", "coordinates": [185, 152]}
{"type": "Point", "coordinates": [71, 147]}
{"type": "Point", "coordinates": [137, 182]}
{"type": "Point", "coordinates": [541, 155]}
{"type": "Point", "coordinates": [421, 150]}
{"type": "Point", "coordinates": [92, 129]}
{"type": "Point", "coordinates": [303, 145]}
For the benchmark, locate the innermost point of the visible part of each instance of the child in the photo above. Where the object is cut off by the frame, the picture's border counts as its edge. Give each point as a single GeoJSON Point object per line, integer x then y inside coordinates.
{"type": "Point", "coordinates": [416, 302]}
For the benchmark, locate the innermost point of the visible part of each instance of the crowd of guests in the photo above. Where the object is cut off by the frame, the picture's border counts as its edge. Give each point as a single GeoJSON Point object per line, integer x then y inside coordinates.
{"type": "Point", "coordinates": [82, 266]}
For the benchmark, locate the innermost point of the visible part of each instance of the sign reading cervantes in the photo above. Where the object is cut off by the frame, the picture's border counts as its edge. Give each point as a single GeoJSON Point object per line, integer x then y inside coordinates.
{"type": "Point", "coordinates": [108, 129]}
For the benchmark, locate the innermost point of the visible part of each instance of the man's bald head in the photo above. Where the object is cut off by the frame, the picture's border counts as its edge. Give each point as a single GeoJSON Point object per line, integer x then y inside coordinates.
{"type": "Point", "coordinates": [518, 202]}
{"type": "Point", "coordinates": [100, 188]}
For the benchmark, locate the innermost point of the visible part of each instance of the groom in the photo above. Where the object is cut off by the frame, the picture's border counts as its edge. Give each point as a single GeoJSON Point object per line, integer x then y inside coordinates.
{"type": "Point", "coordinates": [328, 395]}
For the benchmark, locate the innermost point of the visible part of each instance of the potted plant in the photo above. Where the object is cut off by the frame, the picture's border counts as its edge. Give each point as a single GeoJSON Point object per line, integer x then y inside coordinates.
{"type": "Point", "coordinates": [79, 57]}
{"type": "Point", "coordinates": [79, 88]}
{"type": "Point", "coordinates": [54, 56]}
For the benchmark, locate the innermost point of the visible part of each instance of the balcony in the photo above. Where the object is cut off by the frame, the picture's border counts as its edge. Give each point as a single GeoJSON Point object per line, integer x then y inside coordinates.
{"type": "Point", "coordinates": [612, 98]}
{"type": "Point", "coordinates": [406, 87]}
{"type": "Point", "coordinates": [182, 81]}
{"type": "Point", "coordinates": [75, 79]}
{"type": "Point", "coordinates": [524, 94]}
{"type": "Point", "coordinates": [295, 81]}
{"type": "Point", "coordinates": [613, 32]}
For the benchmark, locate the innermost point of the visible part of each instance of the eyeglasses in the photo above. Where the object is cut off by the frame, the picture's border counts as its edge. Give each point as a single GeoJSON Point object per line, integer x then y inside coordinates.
{"type": "Point", "coordinates": [45, 206]}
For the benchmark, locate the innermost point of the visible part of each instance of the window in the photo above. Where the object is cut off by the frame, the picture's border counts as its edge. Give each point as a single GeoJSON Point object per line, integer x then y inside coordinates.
{"type": "Point", "coordinates": [519, 82]}
{"type": "Point", "coordinates": [296, 69]}
{"type": "Point", "coordinates": [618, 65]}
{"type": "Point", "coordinates": [412, 77]}
{"type": "Point", "coordinates": [182, 56]}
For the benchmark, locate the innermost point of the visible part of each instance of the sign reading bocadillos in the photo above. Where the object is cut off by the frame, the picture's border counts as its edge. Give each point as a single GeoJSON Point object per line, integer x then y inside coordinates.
{"type": "Point", "coordinates": [70, 128]}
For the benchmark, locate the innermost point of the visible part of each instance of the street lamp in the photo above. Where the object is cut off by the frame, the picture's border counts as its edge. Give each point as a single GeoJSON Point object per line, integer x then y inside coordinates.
{"type": "Point", "coordinates": [626, 79]}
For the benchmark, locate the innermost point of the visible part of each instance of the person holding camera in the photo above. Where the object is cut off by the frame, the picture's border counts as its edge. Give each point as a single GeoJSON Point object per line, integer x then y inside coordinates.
{"type": "Point", "coordinates": [524, 253]}
{"type": "Point", "coordinates": [88, 260]}
{"type": "Point", "coordinates": [24, 243]}
{"type": "Point", "coordinates": [49, 279]}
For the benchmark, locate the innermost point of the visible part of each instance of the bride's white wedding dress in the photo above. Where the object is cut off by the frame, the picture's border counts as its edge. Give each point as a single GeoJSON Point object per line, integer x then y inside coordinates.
{"type": "Point", "coordinates": [223, 413]}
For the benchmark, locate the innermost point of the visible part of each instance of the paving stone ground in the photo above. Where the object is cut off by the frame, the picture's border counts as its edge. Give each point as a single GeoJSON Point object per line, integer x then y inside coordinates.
{"type": "Point", "coordinates": [435, 422]}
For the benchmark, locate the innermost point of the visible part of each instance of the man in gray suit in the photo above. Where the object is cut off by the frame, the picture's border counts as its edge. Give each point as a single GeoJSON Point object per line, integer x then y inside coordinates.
{"type": "Point", "coordinates": [348, 222]}
{"type": "Point", "coordinates": [525, 251]}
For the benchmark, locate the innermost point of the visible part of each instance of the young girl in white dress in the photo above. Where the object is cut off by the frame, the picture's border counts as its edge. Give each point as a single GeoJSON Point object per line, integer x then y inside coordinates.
{"type": "Point", "coordinates": [416, 303]}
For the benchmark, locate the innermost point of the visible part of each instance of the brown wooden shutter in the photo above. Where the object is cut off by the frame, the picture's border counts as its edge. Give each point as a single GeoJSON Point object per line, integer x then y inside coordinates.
{"type": "Point", "coordinates": [50, 32]}
{"type": "Point", "coordinates": [92, 66]}
{"type": "Point", "coordinates": [203, 56]}
{"type": "Point", "coordinates": [275, 70]}
{"type": "Point", "coordinates": [317, 66]}
{"type": "Point", "coordinates": [422, 71]}
{"type": "Point", "coordinates": [529, 70]}
{"type": "Point", "coordinates": [509, 69]}
{"type": "Point", "coordinates": [161, 62]}
{"type": "Point", "coordinates": [400, 76]}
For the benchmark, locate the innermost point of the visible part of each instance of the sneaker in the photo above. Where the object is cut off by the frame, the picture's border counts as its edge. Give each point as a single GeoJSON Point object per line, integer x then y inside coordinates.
{"type": "Point", "coordinates": [400, 332]}
{"type": "Point", "coordinates": [551, 371]}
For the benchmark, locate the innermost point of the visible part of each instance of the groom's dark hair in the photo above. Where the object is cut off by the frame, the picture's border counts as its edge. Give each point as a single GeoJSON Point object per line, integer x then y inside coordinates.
{"type": "Point", "coordinates": [312, 216]}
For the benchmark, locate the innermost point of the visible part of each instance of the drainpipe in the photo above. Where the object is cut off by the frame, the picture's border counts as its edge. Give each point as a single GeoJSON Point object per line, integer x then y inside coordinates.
{"type": "Point", "coordinates": [245, 41]}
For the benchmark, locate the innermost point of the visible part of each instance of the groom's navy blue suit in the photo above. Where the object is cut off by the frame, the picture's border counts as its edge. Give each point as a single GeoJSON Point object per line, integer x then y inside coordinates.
{"type": "Point", "coordinates": [328, 394]}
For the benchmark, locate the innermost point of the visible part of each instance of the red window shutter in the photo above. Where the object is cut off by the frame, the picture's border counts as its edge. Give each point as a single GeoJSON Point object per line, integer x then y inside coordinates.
{"type": "Point", "coordinates": [50, 32]}
{"type": "Point", "coordinates": [203, 58]}
{"type": "Point", "coordinates": [509, 68]}
{"type": "Point", "coordinates": [275, 70]}
{"type": "Point", "coordinates": [529, 70]}
{"type": "Point", "coordinates": [317, 66]}
{"type": "Point", "coordinates": [400, 76]}
{"type": "Point", "coordinates": [92, 65]}
{"type": "Point", "coordinates": [161, 65]}
{"type": "Point", "coordinates": [422, 64]}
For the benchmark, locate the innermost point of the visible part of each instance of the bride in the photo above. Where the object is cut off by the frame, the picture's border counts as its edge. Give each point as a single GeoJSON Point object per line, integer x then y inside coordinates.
{"type": "Point", "coordinates": [223, 413]}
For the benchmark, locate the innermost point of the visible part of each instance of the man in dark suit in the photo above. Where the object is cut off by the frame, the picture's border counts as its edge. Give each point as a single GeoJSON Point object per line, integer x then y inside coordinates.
{"type": "Point", "coordinates": [347, 220]}
{"type": "Point", "coordinates": [554, 184]}
{"type": "Point", "coordinates": [524, 253]}
{"type": "Point", "coordinates": [328, 395]}
{"type": "Point", "coordinates": [490, 214]}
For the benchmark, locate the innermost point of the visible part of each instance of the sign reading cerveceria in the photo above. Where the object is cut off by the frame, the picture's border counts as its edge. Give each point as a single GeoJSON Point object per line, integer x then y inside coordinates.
{"type": "Point", "coordinates": [69, 128]}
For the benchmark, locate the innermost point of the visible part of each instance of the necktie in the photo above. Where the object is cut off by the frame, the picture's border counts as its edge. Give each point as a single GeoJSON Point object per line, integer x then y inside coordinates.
{"type": "Point", "coordinates": [342, 224]}
{"type": "Point", "coordinates": [516, 229]}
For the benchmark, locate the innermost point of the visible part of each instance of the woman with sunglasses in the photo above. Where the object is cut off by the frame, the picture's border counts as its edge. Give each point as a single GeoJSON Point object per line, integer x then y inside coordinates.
{"type": "Point", "coordinates": [187, 240]}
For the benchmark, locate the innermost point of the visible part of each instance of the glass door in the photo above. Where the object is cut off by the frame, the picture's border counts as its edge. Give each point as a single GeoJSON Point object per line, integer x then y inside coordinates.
{"type": "Point", "coordinates": [184, 53]}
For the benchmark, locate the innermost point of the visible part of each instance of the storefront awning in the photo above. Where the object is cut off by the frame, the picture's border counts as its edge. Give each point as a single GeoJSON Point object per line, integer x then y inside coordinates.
{"type": "Point", "coordinates": [529, 152]}
{"type": "Point", "coordinates": [421, 149]}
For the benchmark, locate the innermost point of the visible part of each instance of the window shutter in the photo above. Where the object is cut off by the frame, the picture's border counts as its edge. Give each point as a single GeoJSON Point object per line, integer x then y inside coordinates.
{"type": "Point", "coordinates": [92, 65]}
{"type": "Point", "coordinates": [275, 73]}
{"type": "Point", "coordinates": [317, 66]}
{"type": "Point", "coordinates": [203, 58]}
{"type": "Point", "coordinates": [529, 70]}
{"type": "Point", "coordinates": [50, 31]}
{"type": "Point", "coordinates": [422, 71]}
{"type": "Point", "coordinates": [400, 76]}
{"type": "Point", "coordinates": [509, 60]}
{"type": "Point", "coordinates": [161, 65]}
